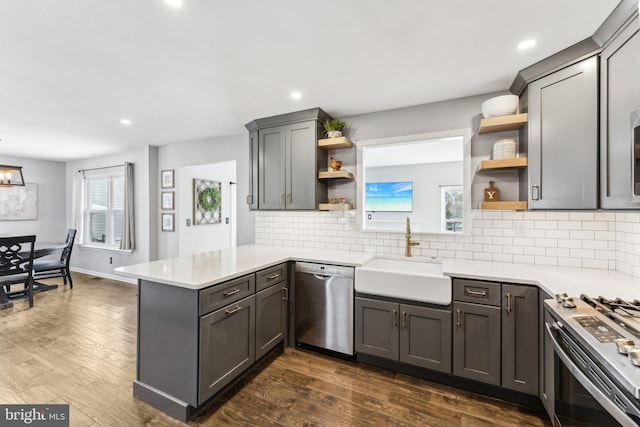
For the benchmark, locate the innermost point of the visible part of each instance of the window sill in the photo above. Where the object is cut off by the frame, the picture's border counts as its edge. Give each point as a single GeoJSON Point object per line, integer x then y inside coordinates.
{"type": "Point", "coordinates": [106, 249]}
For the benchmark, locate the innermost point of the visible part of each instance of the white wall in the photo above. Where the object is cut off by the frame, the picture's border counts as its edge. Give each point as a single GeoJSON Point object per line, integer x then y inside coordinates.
{"type": "Point", "coordinates": [427, 179]}
{"type": "Point", "coordinates": [192, 153]}
{"type": "Point", "coordinates": [206, 237]}
{"type": "Point", "coordinates": [145, 196]}
{"type": "Point", "coordinates": [51, 224]}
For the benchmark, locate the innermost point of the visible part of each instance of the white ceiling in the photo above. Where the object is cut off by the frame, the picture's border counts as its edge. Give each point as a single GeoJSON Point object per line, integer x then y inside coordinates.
{"type": "Point", "coordinates": [71, 69]}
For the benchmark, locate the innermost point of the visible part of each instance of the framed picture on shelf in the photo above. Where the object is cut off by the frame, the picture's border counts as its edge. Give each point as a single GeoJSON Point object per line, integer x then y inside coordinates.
{"type": "Point", "coordinates": [167, 200]}
{"type": "Point", "coordinates": [167, 178]}
{"type": "Point", "coordinates": [168, 222]}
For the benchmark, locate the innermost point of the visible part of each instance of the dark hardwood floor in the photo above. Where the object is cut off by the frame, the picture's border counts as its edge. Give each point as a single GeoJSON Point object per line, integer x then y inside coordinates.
{"type": "Point", "coordinates": [77, 346]}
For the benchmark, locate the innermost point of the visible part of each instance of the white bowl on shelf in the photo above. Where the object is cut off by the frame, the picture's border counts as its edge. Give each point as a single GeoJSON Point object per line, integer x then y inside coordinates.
{"type": "Point", "coordinates": [504, 149]}
{"type": "Point", "coordinates": [500, 106]}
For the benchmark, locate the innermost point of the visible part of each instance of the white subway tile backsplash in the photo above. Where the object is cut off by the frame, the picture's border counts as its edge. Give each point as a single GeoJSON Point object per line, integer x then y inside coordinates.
{"type": "Point", "coordinates": [603, 240]}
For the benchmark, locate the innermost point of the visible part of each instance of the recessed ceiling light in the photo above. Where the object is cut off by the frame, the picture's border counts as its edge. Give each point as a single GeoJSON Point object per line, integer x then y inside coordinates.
{"type": "Point", "coordinates": [296, 95]}
{"type": "Point", "coordinates": [125, 122]}
{"type": "Point", "coordinates": [526, 44]}
{"type": "Point", "coordinates": [174, 3]}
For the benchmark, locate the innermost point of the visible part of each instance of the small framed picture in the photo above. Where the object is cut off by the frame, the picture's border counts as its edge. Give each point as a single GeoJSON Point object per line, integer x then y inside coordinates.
{"type": "Point", "coordinates": [167, 178]}
{"type": "Point", "coordinates": [168, 222]}
{"type": "Point", "coordinates": [167, 200]}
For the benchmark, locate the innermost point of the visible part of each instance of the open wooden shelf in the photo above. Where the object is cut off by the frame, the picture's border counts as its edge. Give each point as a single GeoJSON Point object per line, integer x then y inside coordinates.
{"type": "Point", "coordinates": [335, 143]}
{"type": "Point", "coordinates": [504, 206]}
{"type": "Point", "coordinates": [520, 162]}
{"type": "Point", "coordinates": [335, 175]}
{"type": "Point", "coordinates": [502, 123]}
{"type": "Point", "coordinates": [335, 206]}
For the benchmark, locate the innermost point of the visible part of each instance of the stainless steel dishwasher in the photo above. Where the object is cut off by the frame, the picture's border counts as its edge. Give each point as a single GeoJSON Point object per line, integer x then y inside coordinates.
{"type": "Point", "coordinates": [324, 306]}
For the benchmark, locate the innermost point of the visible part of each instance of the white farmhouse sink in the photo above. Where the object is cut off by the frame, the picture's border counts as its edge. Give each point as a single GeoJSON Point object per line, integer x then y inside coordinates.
{"type": "Point", "coordinates": [405, 279]}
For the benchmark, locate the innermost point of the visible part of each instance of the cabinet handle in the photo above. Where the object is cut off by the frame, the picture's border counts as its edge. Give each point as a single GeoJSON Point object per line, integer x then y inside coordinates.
{"type": "Point", "coordinates": [273, 276]}
{"type": "Point", "coordinates": [473, 293]}
{"type": "Point", "coordinates": [508, 302]}
{"type": "Point", "coordinates": [394, 318]}
{"type": "Point", "coordinates": [285, 294]}
{"type": "Point", "coordinates": [289, 198]}
{"type": "Point", "coordinates": [404, 320]}
{"type": "Point", "coordinates": [282, 198]}
{"type": "Point", "coordinates": [250, 199]}
{"type": "Point", "coordinates": [231, 292]}
{"type": "Point", "coordinates": [535, 192]}
{"type": "Point", "coordinates": [459, 318]}
{"type": "Point", "coordinates": [236, 308]}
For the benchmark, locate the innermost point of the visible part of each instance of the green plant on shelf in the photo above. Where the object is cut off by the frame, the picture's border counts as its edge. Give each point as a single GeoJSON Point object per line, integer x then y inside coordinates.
{"type": "Point", "coordinates": [334, 125]}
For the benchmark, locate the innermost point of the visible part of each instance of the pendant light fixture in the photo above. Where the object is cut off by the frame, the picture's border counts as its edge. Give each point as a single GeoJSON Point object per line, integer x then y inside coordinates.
{"type": "Point", "coordinates": [11, 176]}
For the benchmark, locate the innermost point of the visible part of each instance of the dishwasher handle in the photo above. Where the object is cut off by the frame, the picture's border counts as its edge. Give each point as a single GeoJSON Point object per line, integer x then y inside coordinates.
{"type": "Point", "coordinates": [322, 276]}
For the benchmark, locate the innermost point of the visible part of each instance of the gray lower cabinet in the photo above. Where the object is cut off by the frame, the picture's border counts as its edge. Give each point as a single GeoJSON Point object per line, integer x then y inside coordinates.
{"type": "Point", "coordinates": [563, 138]}
{"type": "Point", "coordinates": [619, 97]}
{"type": "Point", "coordinates": [271, 317]}
{"type": "Point", "coordinates": [227, 345]}
{"type": "Point", "coordinates": [519, 342]}
{"type": "Point", "coordinates": [476, 342]}
{"type": "Point", "coordinates": [419, 336]}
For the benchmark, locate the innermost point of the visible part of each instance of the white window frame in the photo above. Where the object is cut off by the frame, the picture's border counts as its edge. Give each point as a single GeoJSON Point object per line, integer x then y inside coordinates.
{"type": "Point", "coordinates": [110, 174]}
{"type": "Point", "coordinates": [443, 219]}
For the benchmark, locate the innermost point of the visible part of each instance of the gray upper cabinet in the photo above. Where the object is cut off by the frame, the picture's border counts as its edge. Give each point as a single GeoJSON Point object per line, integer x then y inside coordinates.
{"type": "Point", "coordinates": [519, 338]}
{"type": "Point", "coordinates": [285, 159]}
{"type": "Point", "coordinates": [563, 138]}
{"type": "Point", "coordinates": [619, 96]}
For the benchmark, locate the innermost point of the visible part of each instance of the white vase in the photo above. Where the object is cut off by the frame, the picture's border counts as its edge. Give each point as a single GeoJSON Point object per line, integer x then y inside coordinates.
{"type": "Point", "coordinates": [334, 133]}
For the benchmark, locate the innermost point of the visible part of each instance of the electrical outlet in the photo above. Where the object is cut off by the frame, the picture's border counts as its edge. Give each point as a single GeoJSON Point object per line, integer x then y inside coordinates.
{"type": "Point", "coordinates": [521, 228]}
{"type": "Point", "coordinates": [368, 216]}
{"type": "Point", "coordinates": [110, 260]}
{"type": "Point", "coordinates": [188, 222]}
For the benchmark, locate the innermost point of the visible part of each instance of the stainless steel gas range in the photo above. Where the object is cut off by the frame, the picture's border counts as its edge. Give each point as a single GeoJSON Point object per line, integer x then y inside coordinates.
{"type": "Point", "coordinates": [594, 377]}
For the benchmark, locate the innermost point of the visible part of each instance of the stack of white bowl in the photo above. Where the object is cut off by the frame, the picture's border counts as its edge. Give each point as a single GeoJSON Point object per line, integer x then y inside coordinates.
{"type": "Point", "coordinates": [500, 106]}
{"type": "Point", "coordinates": [504, 149]}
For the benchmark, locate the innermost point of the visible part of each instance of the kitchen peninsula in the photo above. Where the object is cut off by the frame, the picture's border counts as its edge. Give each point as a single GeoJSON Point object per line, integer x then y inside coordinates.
{"type": "Point", "coordinates": [179, 298]}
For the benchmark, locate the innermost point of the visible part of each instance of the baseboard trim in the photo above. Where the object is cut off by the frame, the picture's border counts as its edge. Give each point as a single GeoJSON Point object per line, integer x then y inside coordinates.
{"type": "Point", "coordinates": [105, 275]}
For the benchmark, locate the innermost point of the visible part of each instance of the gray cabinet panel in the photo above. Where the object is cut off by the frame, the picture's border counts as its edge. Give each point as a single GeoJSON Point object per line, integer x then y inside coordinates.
{"type": "Point", "coordinates": [563, 138]}
{"type": "Point", "coordinates": [271, 276]}
{"type": "Point", "coordinates": [376, 327]}
{"type": "Point", "coordinates": [619, 96]}
{"type": "Point", "coordinates": [476, 291]}
{"type": "Point", "coordinates": [476, 342]}
{"type": "Point", "coordinates": [271, 168]}
{"type": "Point", "coordinates": [546, 355]}
{"type": "Point", "coordinates": [425, 337]}
{"type": "Point", "coordinates": [227, 346]}
{"type": "Point", "coordinates": [252, 197]}
{"type": "Point", "coordinates": [520, 338]}
{"type": "Point", "coordinates": [301, 176]}
{"type": "Point", "coordinates": [271, 318]}
{"type": "Point", "coordinates": [214, 297]}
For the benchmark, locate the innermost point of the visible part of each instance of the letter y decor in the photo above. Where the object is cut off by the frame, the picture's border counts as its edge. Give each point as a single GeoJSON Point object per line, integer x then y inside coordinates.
{"type": "Point", "coordinates": [207, 202]}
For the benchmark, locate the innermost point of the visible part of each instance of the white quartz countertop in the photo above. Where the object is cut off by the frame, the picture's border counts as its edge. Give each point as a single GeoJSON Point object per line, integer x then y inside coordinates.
{"type": "Point", "coordinates": [206, 269]}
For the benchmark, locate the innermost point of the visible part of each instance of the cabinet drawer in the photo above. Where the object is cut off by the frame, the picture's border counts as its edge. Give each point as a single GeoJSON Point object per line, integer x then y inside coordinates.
{"type": "Point", "coordinates": [226, 293]}
{"type": "Point", "coordinates": [476, 291]}
{"type": "Point", "coordinates": [270, 276]}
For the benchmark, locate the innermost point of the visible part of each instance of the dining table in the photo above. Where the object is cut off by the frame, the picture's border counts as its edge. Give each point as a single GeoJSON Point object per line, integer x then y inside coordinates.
{"type": "Point", "coordinates": [41, 249]}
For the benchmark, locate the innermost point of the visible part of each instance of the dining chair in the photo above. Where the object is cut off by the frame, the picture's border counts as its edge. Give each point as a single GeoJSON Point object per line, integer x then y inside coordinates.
{"type": "Point", "coordinates": [16, 265]}
{"type": "Point", "coordinates": [50, 268]}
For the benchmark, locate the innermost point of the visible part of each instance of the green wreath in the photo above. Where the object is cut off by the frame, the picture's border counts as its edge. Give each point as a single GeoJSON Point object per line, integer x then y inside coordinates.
{"type": "Point", "coordinates": [209, 199]}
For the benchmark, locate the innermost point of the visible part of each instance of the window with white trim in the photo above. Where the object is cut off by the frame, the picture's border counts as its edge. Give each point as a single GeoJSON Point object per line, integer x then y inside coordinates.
{"type": "Point", "coordinates": [451, 208]}
{"type": "Point", "coordinates": [104, 208]}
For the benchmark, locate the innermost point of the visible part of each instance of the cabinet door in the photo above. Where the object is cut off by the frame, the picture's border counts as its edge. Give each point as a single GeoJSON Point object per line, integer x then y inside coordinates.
{"type": "Point", "coordinates": [520, 338]}
{"type": "Point", "coordinates": [563, 138]}
{"type": "Point", "coordinates": [271, 168]}
{"type": "Point", "coordinates": [227, 346]}
{"type": "Point", "coordinates": [619, 96]}
{"type": "Point", "coordinates": [301, 175]}
{"type": "Point", "coordinates": [476, 342]}
{"type": "Point", "coordinates": [271, 317]}
{"type": "Point", "coordinates": [252, 197]}
{"type": "Point", "coordinates": [425, 337]}
{"type": "Point", "coordinates": [377, 331]}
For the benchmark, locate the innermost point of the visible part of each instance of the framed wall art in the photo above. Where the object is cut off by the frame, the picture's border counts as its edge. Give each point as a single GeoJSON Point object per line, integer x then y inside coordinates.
{"type": "Point", "coordinates": [19, 203]}
{"type": "Point", "coordinates": [167, 178]}
{"type": "Point", "coordinates": [168, 222]}
{"type": "Point", "coordinates": [207, 202]}
{"type": "Point", "coordinates": [168, 200]}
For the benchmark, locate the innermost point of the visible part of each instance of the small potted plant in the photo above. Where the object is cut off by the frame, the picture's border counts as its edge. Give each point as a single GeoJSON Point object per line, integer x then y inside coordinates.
{"type": "Point", "coordinates": [334, 128]}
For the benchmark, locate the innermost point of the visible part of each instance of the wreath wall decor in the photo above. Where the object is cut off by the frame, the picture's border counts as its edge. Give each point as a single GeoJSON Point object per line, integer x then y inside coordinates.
{"type": "Point", "coordinates": [207, 202]}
